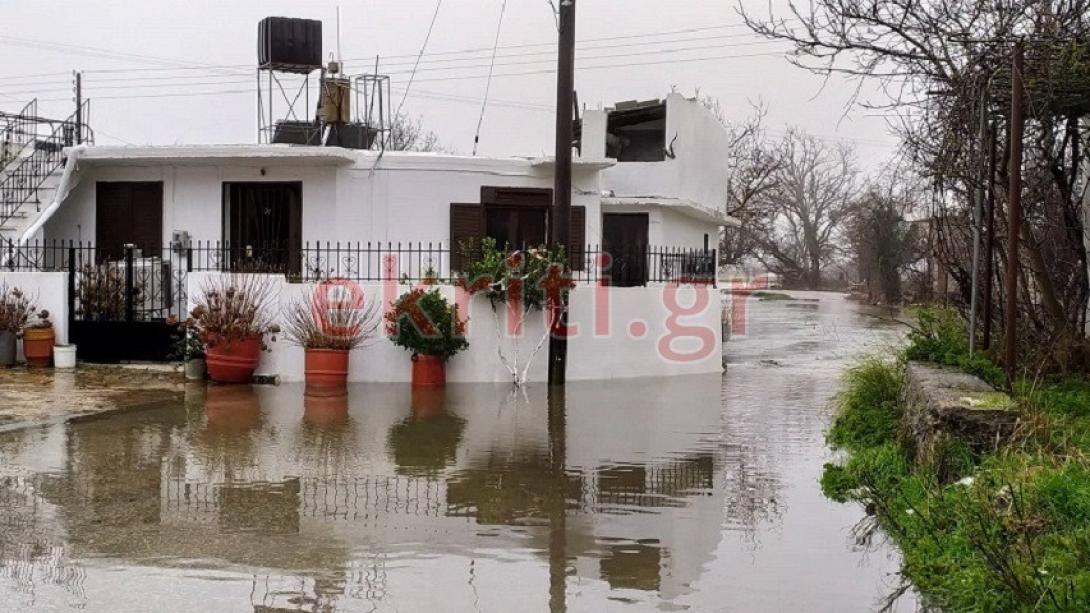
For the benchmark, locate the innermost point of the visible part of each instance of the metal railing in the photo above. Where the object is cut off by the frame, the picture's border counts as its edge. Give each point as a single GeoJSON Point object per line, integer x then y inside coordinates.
{"type": "Point", "coordinates": [369, 262]}
{"type": "Point", "coordinates": [17, 131]}
{"type": "Point", "coordinates": [21, 181]}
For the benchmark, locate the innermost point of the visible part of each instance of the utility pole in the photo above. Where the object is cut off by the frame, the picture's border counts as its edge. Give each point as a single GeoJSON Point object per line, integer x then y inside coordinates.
{"type": "Point", "coordinates": [989, 239]}
{"type": "Point", "coordinates": [560, 230]}
{"type": "Point", "coordinates": [978, 217]}
{"type": "Point", "coordinates": [1014, 211]}
{"type": "Point", "coordinates": [79, 107]}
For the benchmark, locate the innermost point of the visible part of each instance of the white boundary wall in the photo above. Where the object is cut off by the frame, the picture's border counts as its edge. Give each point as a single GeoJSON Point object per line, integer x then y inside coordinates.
{"type": "Point", "coordinates": [49, 291]}
{"type": "Point", "coordinates": [606, 344]}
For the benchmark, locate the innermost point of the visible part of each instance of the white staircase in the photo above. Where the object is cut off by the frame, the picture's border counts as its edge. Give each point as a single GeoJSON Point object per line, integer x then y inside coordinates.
{"type": "Point", "coordinates": [29, 181]}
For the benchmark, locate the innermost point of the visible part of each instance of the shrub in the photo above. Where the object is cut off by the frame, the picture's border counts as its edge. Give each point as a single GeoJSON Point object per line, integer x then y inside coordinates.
{"type": "Point", "coordinates": [16, 310]}
{"type": "Point", "coordinates": [233, 308]}
{"type": "Point", "coordinates": [424, 322]}
{"type": "Point", "coordinates": [528, 275]}
{"type": "Point", "coordinates": [340, 326]}
{"type": "Point", "coordinates": [869, 407]}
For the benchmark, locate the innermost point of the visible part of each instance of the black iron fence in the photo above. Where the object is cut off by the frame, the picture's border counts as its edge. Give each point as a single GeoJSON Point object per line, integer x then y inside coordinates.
{"type": "Point", "coordinates": [362, 262]}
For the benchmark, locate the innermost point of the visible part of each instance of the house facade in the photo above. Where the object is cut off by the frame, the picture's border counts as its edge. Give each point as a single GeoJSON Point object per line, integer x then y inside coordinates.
{"type": "Point", "coordinates": [646, 214]}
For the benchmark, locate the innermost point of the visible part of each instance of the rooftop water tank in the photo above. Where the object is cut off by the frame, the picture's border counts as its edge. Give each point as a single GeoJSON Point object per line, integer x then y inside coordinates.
{"type": "Point", "coordinates": [289, 44]}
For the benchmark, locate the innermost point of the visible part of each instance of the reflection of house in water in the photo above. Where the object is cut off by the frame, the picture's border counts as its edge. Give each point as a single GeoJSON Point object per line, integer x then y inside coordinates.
{"type": "Point", "coordinates": [630, 493]}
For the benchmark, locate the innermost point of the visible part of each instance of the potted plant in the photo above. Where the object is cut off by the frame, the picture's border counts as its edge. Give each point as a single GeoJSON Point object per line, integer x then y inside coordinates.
{"type": "Point", "coordinates": [233, 320]}
{"type": "Point", "coordinates": [425, 323]}
{"type": "Point", "coordinates": [328, 331]}
{"type": "Point", "coordinates": [15, 312]}
{"type": "Point", "coordinates": [38, 340]}
{"type": "Point", "coordinates": [190, 350]}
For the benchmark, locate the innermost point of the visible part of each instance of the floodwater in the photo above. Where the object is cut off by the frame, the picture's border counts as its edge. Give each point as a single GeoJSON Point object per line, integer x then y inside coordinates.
{"type": "Point", "coordinates": [694, 493]}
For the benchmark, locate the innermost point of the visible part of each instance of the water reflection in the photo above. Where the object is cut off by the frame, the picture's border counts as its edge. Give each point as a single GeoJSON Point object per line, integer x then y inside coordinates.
{"type": "Point", "coordinates": [265, 499]}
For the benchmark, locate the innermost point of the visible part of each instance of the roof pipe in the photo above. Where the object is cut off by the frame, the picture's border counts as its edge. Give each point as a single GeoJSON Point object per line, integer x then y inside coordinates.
{"type": "Point", "coordinates": [63, 188]}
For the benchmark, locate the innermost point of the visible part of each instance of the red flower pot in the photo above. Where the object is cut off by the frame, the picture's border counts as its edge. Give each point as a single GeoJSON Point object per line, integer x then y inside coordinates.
{"type": "Point", "coordinates": [429, 371]}
{"type": "Point", "coordinates": [38, 346]}
{"type": "Point", "coordinates": [233, 361]}
{"type": "Point", "coordinates": [326, 371]}
{"type": "Point", "coordinates": [427, 401]}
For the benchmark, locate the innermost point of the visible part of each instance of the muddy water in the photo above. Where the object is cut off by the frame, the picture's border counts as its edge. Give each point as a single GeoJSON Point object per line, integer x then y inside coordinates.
{"type": "Point", "coordinates": [694, 493]}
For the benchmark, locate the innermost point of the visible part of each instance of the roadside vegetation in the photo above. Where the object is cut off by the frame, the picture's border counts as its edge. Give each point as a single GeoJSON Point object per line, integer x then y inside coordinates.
{"type": "Point", "coordinates": [1003, 530]}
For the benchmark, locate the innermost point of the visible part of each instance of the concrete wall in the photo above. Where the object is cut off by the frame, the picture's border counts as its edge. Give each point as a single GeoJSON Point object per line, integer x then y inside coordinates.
{"type": "Point", "coordinates": [49, 291]}
{"type": "Point", "coordinates": [619, 333]}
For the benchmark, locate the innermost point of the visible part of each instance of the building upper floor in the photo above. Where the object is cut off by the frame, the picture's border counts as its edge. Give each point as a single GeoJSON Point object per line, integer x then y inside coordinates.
{"type": "Point", "coordinates": [670, 149]}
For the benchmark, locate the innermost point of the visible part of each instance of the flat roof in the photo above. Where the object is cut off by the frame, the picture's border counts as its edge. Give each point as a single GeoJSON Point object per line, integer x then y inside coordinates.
{"type": "Point", "coordinates": [318, 156]}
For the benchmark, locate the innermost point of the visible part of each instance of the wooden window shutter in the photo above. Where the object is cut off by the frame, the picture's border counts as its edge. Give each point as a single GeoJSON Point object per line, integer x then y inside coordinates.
{"type": "Point", "coordinates": [577, 249]}
{"type": "Point", "coordinates": [466, 232]}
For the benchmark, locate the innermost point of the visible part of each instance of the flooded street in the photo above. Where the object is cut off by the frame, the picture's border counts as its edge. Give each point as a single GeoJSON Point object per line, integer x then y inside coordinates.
{"type": "Point", "coordinates": [689, 493]}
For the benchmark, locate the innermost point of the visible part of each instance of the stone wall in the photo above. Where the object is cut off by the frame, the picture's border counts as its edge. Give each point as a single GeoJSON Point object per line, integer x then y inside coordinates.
{"type": "Point", "coordinates": [943, 403]}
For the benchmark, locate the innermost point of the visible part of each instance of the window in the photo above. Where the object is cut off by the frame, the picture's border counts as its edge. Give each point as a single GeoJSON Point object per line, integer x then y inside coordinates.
{"type": "Point", "coordinates": [128, 213]}
{"type": "Point", "coordinates": [515, 218]}
{"type": "Point", "coordinates": [262, 223]}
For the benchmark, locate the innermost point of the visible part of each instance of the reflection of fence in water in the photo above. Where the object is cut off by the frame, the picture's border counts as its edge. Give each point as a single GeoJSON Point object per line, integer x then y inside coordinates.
{"type": "Point", "coordinates": [29, 559]}
{"type": "Point", "coordinates": [344, 498]}
{"type": "Point", "coordinates": [653, 485]}
{"type": "Point", "coordinates": [361, 579]}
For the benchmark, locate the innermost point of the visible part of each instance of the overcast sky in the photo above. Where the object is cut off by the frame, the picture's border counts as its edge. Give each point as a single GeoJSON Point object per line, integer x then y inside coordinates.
{"type": "Point", "coordinates": [138, 57]}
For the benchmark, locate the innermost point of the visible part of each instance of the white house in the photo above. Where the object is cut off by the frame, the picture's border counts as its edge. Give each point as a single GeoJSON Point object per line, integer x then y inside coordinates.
{"type": "Point", "coordinates": [647, 189]}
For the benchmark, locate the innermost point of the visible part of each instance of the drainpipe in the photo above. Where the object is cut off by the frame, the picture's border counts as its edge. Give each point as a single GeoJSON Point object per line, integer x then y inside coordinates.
{"type": "Point", "coordinates": [63, 188]}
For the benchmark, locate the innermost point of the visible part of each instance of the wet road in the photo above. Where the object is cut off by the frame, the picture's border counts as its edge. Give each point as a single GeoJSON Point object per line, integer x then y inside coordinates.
{"type": "Point", "coordinates": [694, 493]}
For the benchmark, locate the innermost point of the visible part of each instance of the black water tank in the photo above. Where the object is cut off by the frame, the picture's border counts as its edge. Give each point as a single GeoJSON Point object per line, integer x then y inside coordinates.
{"type": "Point", "coordinates": [289, 44]}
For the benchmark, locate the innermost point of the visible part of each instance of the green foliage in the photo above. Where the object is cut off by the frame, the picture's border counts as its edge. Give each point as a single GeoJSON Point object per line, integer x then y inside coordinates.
{"type": "Point", "coordinates": [424, 322]}
{"type": "Point", "coordinates": [940, 336]}
{"type": "Point", "coordinates": [1014, 534]}
{"type": "Point", "coordinates": [869, 407]}
{"type": "Point", "coordinates": [528, 275]}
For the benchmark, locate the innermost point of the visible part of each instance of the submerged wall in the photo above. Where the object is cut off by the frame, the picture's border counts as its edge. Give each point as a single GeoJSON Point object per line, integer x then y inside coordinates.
{"type": "Point", "coordinates": [617, 333]}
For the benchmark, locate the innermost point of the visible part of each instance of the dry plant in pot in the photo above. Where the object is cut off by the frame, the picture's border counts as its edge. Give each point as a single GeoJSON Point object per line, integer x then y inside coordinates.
{"type": "Point", "coordinates": [328, 329]}
{"type": "Point", "coordinates": [16, 311]}
{"type": "Point", "coordinates": [233, 318]}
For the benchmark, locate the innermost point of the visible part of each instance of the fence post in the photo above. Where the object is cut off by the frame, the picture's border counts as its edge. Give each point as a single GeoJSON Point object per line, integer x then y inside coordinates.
{"type": "Point", "coordinates": [129, 310]}
{"type": "Point", "coordinates": [71, 290]}
{"type": "Point", "coordinates": [715, 267]}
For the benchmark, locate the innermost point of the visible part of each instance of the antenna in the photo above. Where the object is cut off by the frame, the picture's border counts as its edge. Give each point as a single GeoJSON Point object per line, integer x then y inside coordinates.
{"type": "Point", "coordinates": [339, 56]}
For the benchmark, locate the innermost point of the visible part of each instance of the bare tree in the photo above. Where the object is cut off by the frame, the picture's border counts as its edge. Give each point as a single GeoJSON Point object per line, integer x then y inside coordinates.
{"type": "Point", "coordinates": [813, 186]}
{"type": "Point", "coordinates": [942, 64]}
{"type": "Point", "coordinates": [751, 168]}
{"type": "Point", "coordinates": [408, 134]}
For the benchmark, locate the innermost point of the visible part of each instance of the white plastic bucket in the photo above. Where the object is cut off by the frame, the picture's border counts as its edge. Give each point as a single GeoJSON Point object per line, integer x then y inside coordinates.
{"type": "Point", "coordinates": [64, 356]}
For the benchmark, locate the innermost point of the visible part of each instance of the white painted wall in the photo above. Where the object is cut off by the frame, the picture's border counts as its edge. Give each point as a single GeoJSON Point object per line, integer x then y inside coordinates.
{"type": "Point", "coordinates": [49, 291]}
{"type": "Point", "coordinates": [606, 344]}
{"type": "Point", "coordinates": [700, 144]}
{"type": "Point", "coordinates": [406, 198]}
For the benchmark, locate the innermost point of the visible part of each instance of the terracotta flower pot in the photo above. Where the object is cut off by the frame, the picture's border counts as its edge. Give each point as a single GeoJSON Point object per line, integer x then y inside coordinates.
{"type": "Point", "coordinates": [326, 371]}
{"type": "Point", "coordinates": [234, 361]}
{"type": "Point", "coordinates": [38, 346]}
{"type": "Point", "coordinates": [429, 371]}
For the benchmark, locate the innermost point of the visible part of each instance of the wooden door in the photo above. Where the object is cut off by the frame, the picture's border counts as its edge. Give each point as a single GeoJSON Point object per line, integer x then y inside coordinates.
{"type": "Point", "coordinates": [624, 238]}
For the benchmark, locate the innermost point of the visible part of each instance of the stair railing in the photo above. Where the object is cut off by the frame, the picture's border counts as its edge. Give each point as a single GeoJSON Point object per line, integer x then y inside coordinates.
{"type": "Point", "coordinates": [22, 181]}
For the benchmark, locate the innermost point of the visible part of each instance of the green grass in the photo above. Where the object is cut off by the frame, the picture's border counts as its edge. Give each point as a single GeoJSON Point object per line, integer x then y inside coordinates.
{"type": "Point", "coordinates": [1014, 535]}
{"type": "Point", "coordinates": [763, 295]}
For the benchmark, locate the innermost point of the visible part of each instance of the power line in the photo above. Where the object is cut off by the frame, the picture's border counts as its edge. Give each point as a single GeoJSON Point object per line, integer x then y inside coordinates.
{"type": "Point", "coordinates": [488, 84]}
{"type": "Point", "coordinates": [423, 48]}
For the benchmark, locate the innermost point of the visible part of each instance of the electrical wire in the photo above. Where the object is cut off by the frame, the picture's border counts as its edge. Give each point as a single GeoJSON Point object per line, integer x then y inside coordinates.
{"type": "Point", "coordinates": [488, 84]}
{"type": "Point", "coordinates": [423, 48]}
